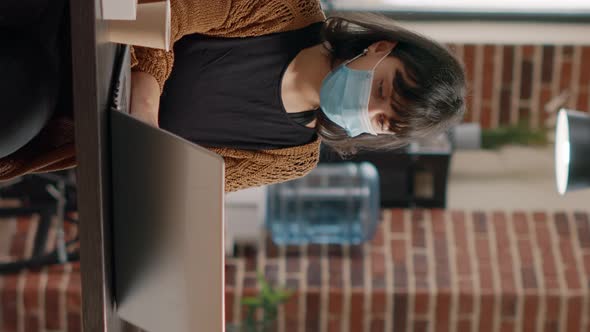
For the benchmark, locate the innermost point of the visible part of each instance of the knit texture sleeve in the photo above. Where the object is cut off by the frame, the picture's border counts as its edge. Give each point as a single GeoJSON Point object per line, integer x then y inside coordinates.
{"type": "Point", "coordinates": [245, 169]}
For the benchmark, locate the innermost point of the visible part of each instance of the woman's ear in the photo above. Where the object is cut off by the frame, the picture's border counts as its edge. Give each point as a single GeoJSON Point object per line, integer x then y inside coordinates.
{"type": "Point", "coordinates": [382, 47]}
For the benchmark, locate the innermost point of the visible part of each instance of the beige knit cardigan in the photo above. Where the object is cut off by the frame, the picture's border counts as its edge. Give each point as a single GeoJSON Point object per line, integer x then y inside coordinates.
{"type": "Point", "coordinates": [53, 149]}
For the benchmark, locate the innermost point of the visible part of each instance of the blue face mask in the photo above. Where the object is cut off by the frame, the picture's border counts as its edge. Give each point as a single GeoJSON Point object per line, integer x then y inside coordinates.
{"type": "Point", "coordinates": [344, 98]}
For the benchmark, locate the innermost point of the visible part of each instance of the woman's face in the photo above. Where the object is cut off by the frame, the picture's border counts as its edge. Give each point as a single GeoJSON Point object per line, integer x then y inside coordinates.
{"type": "Point", "coordinates": [382, 94]}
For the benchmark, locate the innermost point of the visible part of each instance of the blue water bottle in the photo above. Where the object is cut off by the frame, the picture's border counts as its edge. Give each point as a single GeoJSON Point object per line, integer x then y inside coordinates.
{"type": "Point", "coordinates": [335, 203]}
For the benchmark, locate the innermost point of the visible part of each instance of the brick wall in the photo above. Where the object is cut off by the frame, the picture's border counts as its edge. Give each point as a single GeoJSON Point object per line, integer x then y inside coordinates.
{"type": "Point", "coordinates": [42, 300]}
{"type": "Point", "coordinates": [449, 271]}
{"type": "Point", "coordinates": [445, 270]}
{"type": "Point", "coordinates": [512, 83]}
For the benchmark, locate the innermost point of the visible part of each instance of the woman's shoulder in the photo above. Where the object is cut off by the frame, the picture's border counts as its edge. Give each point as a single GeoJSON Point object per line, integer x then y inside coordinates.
{"type": "Point", "coordinates": [254, 18]}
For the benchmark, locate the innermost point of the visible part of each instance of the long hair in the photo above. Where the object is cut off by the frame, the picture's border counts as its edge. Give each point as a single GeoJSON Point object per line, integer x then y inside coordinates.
{"type": "Point", "coordinates": [430, 93]}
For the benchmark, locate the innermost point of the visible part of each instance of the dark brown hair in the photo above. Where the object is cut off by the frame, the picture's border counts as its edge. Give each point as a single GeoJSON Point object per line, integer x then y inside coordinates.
{"type": "Point", "coordinates": [431, 91]}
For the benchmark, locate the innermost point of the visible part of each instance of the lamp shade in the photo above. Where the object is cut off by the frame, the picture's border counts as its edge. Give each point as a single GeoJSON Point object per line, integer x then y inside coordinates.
{"type": "Point", "coordinates": [572, 150]}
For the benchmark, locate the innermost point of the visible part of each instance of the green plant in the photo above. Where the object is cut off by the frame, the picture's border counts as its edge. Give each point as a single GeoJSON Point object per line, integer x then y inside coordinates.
{"type": "Point", "coordinates": [268, 299]}
{"type": "Point", "coordinates": [520, 134]}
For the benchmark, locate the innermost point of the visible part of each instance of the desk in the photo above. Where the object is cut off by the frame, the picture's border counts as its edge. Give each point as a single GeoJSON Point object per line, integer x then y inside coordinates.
{"type": "Point", "coordinates": [92, 66]}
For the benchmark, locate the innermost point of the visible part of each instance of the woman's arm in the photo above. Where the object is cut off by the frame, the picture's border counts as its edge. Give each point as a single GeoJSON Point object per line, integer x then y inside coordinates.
{"type": "Point", "coordinates": [145, 97]}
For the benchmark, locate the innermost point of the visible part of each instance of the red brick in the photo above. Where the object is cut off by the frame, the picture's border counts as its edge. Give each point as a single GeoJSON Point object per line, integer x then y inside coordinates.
{"type": "Point", "coordinates": [312, 311]}
{"type": "Point", "coordinates": [526, 78]}
{"type": "Point", "coordinates": [335, 302]}
{"type": "Point", "coordinates": [443, 312]}
{"type": "Point", "coordinates": [74, 320]}
{"type": "Point", "coordinates": [73, 293]}
{"type": "Point", "coordinates": [377, 240]}
{"type": "Point", "coordinates": [31, 291]}
{"type": "Point", "coordinates": [486, 317]}
{"type": "Point", "coordinates": [574, 314]}
{"type": "Point", "coordinates": [356, 311]}
{"type": "Point", "coordinates": [377, 325]}
{"type": "Point", "coordinates": [486, 117]}
{"type": "Point", "coordinates": [566, 75]}
{"type": "Point", "coordinates": [485, 278]}
{"type": "Point", "coordinates": [397, 221]}
{"type": "Point", "coordinates": [400, 277]}
{"type": "Point", "coordinates": [229, 306]}
{"type": "Point", "coordinates": [482, 248]}
{"type": "Point", "coordinates": [582, 101]}
{"type": "Point", "coordinates": [507, 64]}
{"type": "Point", "coordinates": [418, 235]}
{"type": "Point", "coordinates": [53, 308]}
{"type": "Point", "coordinates": [464, 325]}
{"type": "Point", "coordinates": [507, 326]}
{"type": "Point", "coordinates": [421, 326]}
{"type": "Point", "coordinates": [585, 66]}
{"type": "Point", "coordinates": [378, 303]}
{"type": "Point", "coordinates": [334, 325]}
{"type": "Point", "coordinates": [509, 305]}
{"type": "Point", "coordinates": [23, 223]}
{"type": "Point", "coordinates": [519, 220]}
{"type": "Point", "coordinates": [32, 324]}
{"type": "Point", "coordinates": [505, 105]}
{"type": "Point", "coordinates": [438, 221]}
{"type": "Point", "coordinates": [398, 251]}
{"type": "Point", "coordinates": [8, 303]}
{"type": "Point", "coordinates": [525, 252]}
{"type": "Point", "coordinates": [552, 307]}
{"type": "Point", "coordinates": [530, 311]}
{"type": "Point", "coordinates": [272, 251]}
{"type": "Point", "coordinates": [400, 312]}
{"type": "Point", "coordinates": [548, 59]}
{"type": "Point", "coordinates": [421, 302]}
{"type": "Point", "coordinates": [528, 51]}
{"type": "Point", "coordinates": [587, 264]}
{"type": "Point", "coordinates": [291, 308]}
{"type": "Point", "coordinates": [466, 303]}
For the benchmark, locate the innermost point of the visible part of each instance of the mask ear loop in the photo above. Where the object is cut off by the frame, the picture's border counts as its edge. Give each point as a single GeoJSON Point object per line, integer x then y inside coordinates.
{"type": "Point", "coordinates": [358, 56]}
{"type": "Point", "coordinates": [378, 62]}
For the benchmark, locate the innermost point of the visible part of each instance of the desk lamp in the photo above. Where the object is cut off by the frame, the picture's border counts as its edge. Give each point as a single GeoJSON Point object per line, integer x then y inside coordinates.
{"type": "Point", "coordinates": [572, 150]}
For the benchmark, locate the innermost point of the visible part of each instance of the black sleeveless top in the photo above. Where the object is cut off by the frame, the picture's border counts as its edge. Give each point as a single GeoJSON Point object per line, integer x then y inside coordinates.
{"type": "Point", "coordinates": [226, 92]}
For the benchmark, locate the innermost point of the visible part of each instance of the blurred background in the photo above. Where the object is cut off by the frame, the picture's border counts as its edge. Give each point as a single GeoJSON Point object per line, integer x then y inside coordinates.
{"type": "Point", "coordinates": [462, 232]}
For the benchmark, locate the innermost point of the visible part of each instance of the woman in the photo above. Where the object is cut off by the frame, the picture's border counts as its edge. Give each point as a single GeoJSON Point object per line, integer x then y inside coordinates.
{"type": "Point", "coordinates": [262, 82]}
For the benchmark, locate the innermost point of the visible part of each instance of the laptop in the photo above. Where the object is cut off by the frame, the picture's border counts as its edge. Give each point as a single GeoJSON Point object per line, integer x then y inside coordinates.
{"type": "Point", "coordinates": [168, 225]}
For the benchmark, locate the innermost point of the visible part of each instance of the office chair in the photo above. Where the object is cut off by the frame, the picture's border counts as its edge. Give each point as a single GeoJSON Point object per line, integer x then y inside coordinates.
{"type": "Point", "coordinates": [52, 194]}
